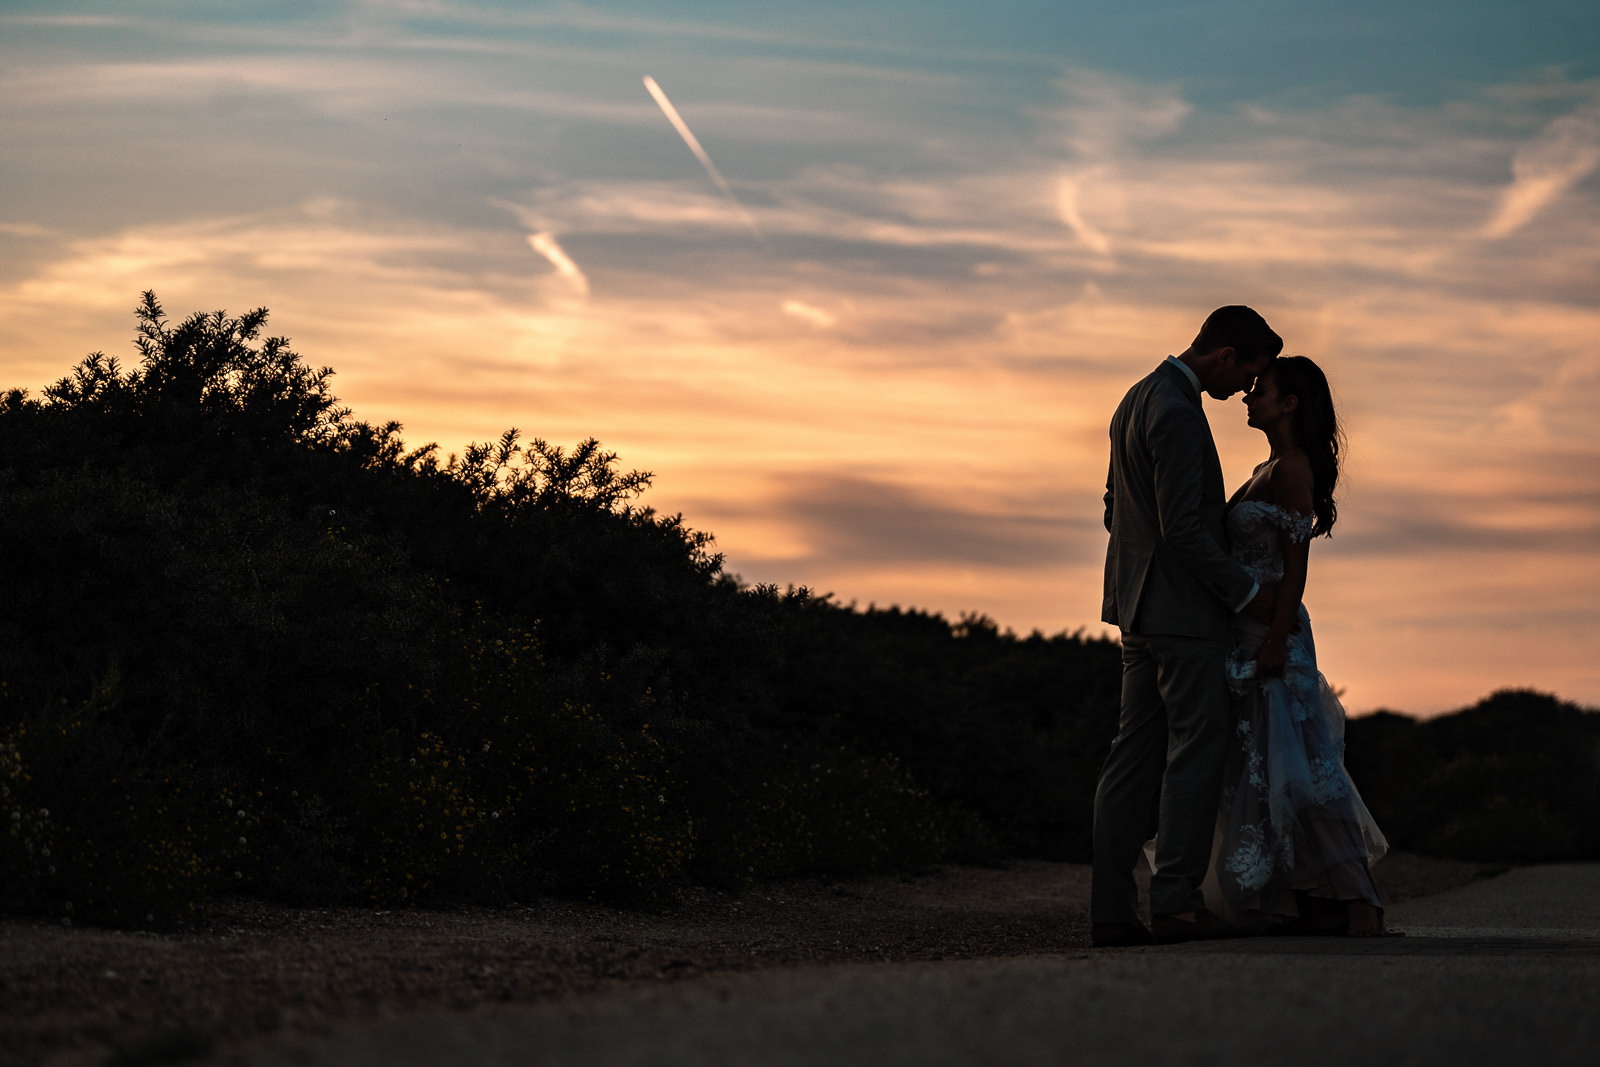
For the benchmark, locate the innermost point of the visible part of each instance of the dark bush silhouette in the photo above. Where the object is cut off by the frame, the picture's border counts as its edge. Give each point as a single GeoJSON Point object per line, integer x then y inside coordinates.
{"type": "Point", "coordinates": [1514, 778]}
{"type": "Point", "coordinates": [250, 642]}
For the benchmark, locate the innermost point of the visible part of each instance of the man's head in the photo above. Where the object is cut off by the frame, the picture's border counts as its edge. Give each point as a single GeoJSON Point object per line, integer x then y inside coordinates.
{"type": "Point", "coordinates": [1233, 346]}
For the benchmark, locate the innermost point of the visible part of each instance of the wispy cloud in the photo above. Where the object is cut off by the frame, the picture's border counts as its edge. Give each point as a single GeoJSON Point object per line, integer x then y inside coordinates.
{"type": "Point", "coordinates": [1067, 204]}
{"type": "Point", "coordinates": [544, 244]}
{"type": "Point", "coordinates": [1564, 153]}
{"type": "Point", "coordinates": [869, 520]}
{"type": "Point", "coordinates": [1103, 114]}
{"type": "Point", "coordinates": [26, 229]}
{"type": "Point", "coordinates": [821, 319]}
{"type": "Point", "coordinates": [88, 21]}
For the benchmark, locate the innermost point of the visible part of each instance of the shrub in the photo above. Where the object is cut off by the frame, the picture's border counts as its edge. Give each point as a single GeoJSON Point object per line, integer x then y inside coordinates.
{"type": "Point", "coordinates": [250, 642]}
{"type": "Point", "coordinates": [96, 834]}
{"type": "Point", "coordinates": [1515, 778]}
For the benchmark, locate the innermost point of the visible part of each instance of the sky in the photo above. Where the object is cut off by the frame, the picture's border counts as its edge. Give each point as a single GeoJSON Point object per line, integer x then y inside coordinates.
{"type": "Point", "coordinates": [870, 330]}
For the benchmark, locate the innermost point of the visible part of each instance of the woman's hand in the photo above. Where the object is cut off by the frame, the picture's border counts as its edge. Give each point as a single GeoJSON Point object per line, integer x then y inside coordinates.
{"type": "Point", "coordinates": [1271, 656]}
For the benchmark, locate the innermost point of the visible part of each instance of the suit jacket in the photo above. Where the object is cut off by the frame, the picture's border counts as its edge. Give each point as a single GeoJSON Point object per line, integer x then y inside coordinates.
{"type": "Point", "coordinates": [1167, 565]}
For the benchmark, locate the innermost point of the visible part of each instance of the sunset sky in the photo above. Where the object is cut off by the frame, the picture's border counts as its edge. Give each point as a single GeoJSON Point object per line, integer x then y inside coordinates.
{"type": "Point", "coordinates": [881, 361]}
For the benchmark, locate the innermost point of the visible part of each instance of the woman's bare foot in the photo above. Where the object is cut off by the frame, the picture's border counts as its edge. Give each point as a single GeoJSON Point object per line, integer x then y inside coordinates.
{"type": "Point", "coordinates": [1364, 920]}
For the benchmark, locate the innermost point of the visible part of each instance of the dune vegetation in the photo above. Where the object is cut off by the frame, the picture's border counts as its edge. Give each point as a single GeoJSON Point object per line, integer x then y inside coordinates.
{"type": "Point", "coordinates": [252, 643]}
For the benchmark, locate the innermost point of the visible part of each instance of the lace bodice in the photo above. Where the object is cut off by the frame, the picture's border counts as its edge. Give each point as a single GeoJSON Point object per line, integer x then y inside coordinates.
{"type": "Point", "coordinates": [1253, 527]}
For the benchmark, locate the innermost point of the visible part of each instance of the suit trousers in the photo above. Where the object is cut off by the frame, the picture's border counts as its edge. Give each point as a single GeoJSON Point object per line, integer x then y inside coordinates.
{"type": "Point", "coordinates": [1163, 777]}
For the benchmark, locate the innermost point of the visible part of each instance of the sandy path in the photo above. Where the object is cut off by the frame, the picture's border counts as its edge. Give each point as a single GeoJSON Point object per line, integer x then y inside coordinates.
{"type": "Point", "coordinates": [255, 969]}
{"type": "Point", "coordinates": [1503, 971]}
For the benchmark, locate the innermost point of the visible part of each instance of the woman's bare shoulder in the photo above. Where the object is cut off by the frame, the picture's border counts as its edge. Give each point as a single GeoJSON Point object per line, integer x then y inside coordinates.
{"type": "Point", "coordinates": [1292, 480]}
{"type": "Point", "coordinates": [1295, 463]}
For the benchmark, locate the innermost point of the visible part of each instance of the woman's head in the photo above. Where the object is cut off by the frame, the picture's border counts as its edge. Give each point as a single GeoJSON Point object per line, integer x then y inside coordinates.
{"type": "Point", "coordinates": [1316, 428]}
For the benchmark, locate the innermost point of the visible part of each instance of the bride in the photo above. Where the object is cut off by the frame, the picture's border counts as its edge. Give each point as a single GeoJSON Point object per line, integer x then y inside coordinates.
{"type": "Point", "coordinates": [1296, 840]}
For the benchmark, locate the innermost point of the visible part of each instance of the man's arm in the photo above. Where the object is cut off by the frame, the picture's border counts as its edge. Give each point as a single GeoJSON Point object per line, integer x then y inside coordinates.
{"type": "Point", "coordinates": [1176, 438]}
{"type": "Point", "coordinates": [1110, 497]}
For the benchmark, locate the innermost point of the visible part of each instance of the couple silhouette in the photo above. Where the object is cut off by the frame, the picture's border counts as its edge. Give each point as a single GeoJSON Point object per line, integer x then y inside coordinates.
{"type": "Point", "coordinates": [1227, 770]}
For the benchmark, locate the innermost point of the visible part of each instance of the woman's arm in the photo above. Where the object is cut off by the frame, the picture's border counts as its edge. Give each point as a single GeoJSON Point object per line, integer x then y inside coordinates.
{"type": "Point", "coordinates": [1291, 489]}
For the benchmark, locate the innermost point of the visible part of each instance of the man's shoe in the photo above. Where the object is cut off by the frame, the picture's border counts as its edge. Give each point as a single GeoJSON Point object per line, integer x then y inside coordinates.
{"type": "Point", "coordinates": [1169, 929]}
{"type": "Point", "coordinates": [1118, 935]}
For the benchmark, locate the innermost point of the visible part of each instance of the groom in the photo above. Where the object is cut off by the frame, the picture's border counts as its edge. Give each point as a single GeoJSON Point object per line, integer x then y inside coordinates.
{"type": "Point", "coordinates": [1172, 589]}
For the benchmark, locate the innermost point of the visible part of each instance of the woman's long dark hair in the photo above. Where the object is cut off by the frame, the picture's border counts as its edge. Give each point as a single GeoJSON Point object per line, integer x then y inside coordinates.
{"type": "Point", "coordinates": [1316, 430]}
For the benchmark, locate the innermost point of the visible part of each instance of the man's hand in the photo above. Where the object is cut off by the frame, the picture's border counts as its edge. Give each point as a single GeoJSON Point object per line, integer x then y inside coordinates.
{"type": "Point", "coordinates": [1271, 656]}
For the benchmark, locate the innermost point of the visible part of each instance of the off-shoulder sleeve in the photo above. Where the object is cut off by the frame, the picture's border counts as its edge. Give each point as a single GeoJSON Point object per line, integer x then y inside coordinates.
{"type": "Point", "coordinates": [1297, 524]}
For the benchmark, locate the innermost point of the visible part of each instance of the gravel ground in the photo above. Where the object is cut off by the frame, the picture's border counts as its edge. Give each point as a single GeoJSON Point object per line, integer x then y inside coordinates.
{"type": "Point", "coordinates": [1502, 971]}
{"type": "Point", "coordinates": [129, 997]}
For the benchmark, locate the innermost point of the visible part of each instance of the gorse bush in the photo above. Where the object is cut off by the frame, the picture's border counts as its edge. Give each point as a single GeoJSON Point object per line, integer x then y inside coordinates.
{"type": "Point", "coordinates": [249, 642]}
{"type": "Point", "coordinates": [98, 837]}
{"type": "Point", "coordinates": [1514, 778]}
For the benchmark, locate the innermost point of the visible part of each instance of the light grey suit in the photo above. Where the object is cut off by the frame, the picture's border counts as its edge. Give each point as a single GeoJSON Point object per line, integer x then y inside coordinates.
{"type": "Point", "coordinates": [1172, 589]}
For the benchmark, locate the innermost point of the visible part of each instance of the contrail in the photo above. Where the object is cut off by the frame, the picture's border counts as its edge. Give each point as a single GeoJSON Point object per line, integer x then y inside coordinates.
{"type": "Point", "coordinates": [700, 153]}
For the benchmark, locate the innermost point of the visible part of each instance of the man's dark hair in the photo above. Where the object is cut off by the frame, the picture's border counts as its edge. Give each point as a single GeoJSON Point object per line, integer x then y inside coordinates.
{"type": "Point", "coordinates": [1241, 329]}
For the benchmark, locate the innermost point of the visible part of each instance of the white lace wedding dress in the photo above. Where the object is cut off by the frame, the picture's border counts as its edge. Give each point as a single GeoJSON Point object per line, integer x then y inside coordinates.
{"type": "Point", "coordinates": [1290, 817]}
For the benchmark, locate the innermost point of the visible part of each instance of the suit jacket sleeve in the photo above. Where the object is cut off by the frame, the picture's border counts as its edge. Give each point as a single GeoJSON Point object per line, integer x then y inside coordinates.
{"type": "Point", "coordinates": [1177, 439]}
{"type": "Point", "coordinates": [1110, 496]}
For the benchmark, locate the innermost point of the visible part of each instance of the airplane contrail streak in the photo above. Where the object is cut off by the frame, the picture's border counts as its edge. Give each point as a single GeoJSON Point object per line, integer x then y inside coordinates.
{"type": "Point", "coordinates": [700, 153]}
